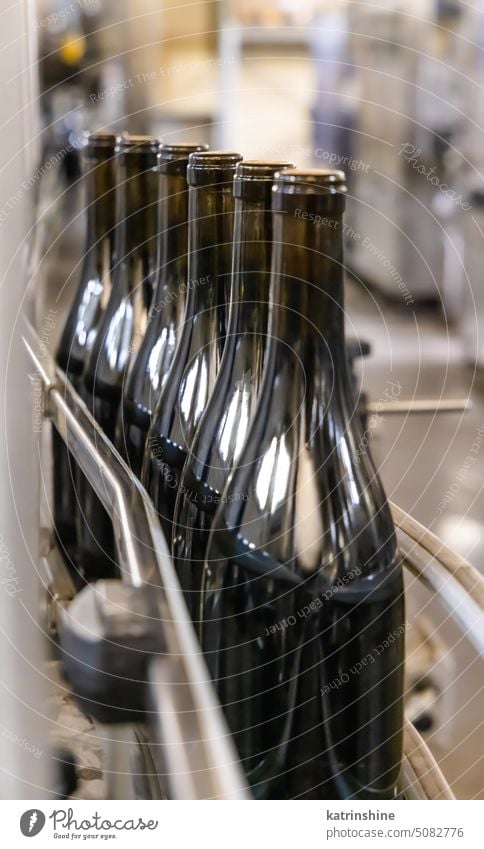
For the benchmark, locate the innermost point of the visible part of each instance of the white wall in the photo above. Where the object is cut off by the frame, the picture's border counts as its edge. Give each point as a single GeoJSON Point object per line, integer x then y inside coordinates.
{"type": "Point", "coordinates": [22, 730]}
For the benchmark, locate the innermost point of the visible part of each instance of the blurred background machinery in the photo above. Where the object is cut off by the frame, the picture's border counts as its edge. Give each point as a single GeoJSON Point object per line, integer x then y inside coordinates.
{"type": "Point", "coordinates": [391, 95]}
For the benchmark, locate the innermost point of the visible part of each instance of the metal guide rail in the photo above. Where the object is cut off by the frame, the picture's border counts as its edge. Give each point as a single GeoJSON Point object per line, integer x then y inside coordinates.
{"type": "Point", "coordinates": [458, 584]}
{"type": "Point", "coordinates": [141, 625]}
{"type": "Point", "coordinates": [199, 757]}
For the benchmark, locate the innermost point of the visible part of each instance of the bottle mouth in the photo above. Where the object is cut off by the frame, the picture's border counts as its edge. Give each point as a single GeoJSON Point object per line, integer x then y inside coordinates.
{"type": "Point", "coordinates": [138, 154]}
{"type": "Point", "coordinates": [101, 143]}
{"type": "Point", "coordinates": [311, 181]}
{"type": "Point", "coordinates": [253, 179]}
{"type": "Point", "coordinates": [322, 189]}
{"type": "Point", "coordinates": [172, 151]}
{"type": "Point", "coordinates": [138, 144]}
{"type": "Point", "coordinates": [173, 158]}
{"type": "Point", "coordinates": [212, 166]}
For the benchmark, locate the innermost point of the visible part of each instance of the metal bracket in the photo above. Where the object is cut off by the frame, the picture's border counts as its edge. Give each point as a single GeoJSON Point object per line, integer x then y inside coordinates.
{"type": "Point", "coordinates": [60, 589]}
{"type": "Point", "coordinates": [108, 635]}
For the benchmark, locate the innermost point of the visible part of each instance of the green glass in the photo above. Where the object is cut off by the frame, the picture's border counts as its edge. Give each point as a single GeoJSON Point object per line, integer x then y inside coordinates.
{"type": "Point", "coordinates": [303, 627]}
{"type": "Point", "coordinates": [199, 351]}
{"type": "Point", "coordinates": [224, 425]}
{"type": "Point", "coordinates": [122, 328]}
{"type": "Point", "coordinates": [84, 318]}
{"type": "Point", "coordinates": [152, 364]}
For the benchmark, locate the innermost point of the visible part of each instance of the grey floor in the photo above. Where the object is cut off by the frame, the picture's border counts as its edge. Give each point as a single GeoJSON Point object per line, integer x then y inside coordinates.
{"type": "Point", "coordinates": [420, 459]}
{"type": "Point", "coordinates": [423, 462]}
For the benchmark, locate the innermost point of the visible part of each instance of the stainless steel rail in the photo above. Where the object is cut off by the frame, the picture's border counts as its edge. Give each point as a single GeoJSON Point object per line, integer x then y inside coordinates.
{"type": "Point", "coordinates": [416, 405]}
{"type": "Point", "coordinates": [457, 584]}
{"type": "Point", "coordinates": [421, 777]}
{"type": "Point", "coordinates": [201, 760]}
{"type": "Point", "coordinates": [194, 741]}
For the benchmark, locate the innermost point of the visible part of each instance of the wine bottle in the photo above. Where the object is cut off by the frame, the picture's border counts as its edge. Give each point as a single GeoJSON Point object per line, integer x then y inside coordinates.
{"type": "Point", "coordinates": [84, 318]}
{"type": "Point", "coordinates": [197, 358]}
{"type": "Point", "coordinates": [122, 327]}
{"type": "Point", "coordinates": [223, 427]}
{"type": "Point", "coordinates": [302, 594]}
{"type": "Point", "coordinates": [151, 366]}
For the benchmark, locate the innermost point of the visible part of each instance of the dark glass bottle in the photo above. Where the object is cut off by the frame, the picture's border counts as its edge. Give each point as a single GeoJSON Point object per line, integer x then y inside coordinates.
{"type": "Point", "coordinates": [85, 315]}
{"type": "Point", "coordinates": [197, 357]}
{"type": "Point", "coordinates": [223, 427]}
{"type": "Point", "coordinates": [303, 607]}
{"type": "Point", "coordinates": [150, 368]}
{"type": "Point", "coordinates": [122, 327]}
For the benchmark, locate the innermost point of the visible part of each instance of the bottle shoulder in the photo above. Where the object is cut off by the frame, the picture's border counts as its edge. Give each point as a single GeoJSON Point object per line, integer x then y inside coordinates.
{"type": "Point", "coordinates": [120, 333]}
{"type": "Point", "coordinates": [152, 362]}
{"type": "Point", "coordinates": [191, 380]}
{"type": "Point", "coordinates": [85, 316]}
{"type": "Point", "coordinates": [224, 426]}
{"type": "Point", "coordinates": [301, 492]}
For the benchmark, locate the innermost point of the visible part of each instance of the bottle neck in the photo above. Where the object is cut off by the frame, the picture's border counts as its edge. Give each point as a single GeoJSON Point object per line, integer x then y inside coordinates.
{"type": "Point", "coordinates": [251, 273]}
{"type": "Point", "coordinates": [138, 210]}
{"type": "Point", "coordinates": [101, 205]}
{"type": "Point", "coordinates": [210, 233]}
{"type": "Point", "coordinates": [308, 285]}
{"type": "Point", "coordinates": [173, 256]}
